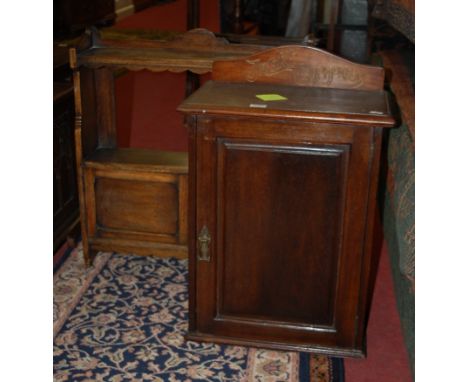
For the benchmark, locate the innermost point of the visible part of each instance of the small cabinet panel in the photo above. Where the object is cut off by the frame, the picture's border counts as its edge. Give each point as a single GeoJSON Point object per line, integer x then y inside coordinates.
{"type": "Point", "coordinates": [137, 205]}
{"type": "Point", "coordinates": [285, 202]}
{"type": "Point", "coordinates": [141, 212]}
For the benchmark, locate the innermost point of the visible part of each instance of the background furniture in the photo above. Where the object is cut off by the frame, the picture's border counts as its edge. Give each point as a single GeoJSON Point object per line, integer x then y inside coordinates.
{"type": "Point", "coordinates": [339, 26]}
{"type": "Point", "coordinates": [397, 13]}
{"type": "Point", "coordinates": [398, 192]}
{"type": "Point", "coordinates": [282, 200]}
{"type": "Point", "coordinates": [71, 17]}
{"type": "Point", "coordinates": [392, 38]}
{"type": "Point", "coordinates": [66, 212]}
{"type": "Point", "coordinates": [66, 209]}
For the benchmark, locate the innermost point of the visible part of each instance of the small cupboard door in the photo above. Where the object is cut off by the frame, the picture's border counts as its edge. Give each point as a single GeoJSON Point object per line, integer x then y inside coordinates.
{"type": "Point", "coordinates": [277, 263]}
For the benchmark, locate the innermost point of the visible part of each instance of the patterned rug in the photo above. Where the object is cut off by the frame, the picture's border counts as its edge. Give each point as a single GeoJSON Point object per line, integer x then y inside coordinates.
{"type": "Point", "coordinates": [124, 319]}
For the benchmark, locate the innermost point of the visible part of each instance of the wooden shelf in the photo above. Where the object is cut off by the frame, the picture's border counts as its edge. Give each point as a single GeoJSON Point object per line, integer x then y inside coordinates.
{"type": "Point", "coordinates": [133, 159]}
{"type": "Point", "coordinates": [195, 51]}
{"type": "Point", "coordinates": [174, 60]}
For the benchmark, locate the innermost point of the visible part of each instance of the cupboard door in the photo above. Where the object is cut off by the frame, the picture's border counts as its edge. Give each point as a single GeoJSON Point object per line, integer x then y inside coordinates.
{"type": "Point", "coordinates": [276, 264]}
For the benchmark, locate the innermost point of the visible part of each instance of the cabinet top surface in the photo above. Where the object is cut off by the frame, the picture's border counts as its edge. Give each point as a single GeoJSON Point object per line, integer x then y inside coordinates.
{"type": "Point", "coordinates": [290, 102]}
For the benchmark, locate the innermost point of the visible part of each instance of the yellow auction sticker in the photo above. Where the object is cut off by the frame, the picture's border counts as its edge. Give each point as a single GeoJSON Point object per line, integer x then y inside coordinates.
{"type": "Point", "coordinates": [270, 97]}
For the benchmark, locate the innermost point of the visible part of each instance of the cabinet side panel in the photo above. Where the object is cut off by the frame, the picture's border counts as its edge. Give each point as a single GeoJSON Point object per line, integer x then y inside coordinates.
{"type": "Point", "coordinates": [281, 229]}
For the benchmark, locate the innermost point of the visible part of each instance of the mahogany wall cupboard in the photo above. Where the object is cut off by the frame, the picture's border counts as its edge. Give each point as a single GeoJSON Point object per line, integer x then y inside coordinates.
{"type": "Point", "coordinates": [283, 165]}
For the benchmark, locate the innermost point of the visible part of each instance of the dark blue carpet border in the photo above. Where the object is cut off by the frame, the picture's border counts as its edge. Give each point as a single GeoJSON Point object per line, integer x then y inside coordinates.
{"type": "Point", "coordinates": [304, 367]}
{"type": "Point", "coordinates": [338, 369]}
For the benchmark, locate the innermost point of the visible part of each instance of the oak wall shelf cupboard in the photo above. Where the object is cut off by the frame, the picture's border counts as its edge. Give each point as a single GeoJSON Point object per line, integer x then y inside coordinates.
{"type": "Point", "coordinates": [133, 200]}
{"type": "Point", "coordinates": [282, 196]}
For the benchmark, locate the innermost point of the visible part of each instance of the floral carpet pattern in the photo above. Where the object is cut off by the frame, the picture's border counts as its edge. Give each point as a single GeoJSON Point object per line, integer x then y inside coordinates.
{"type": "Point", "coordinates": [127, 323]}
{"type": "Point", "coordinates": [71, 282]}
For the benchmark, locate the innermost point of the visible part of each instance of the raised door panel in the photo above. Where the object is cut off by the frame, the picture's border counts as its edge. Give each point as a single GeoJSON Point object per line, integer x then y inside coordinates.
{"type": "Point", "coordinates": [279, 217]}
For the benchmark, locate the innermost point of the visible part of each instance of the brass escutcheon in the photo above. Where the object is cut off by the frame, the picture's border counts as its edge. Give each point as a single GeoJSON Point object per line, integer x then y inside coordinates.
{"type": "Point", "coordinates": [204, 239]}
